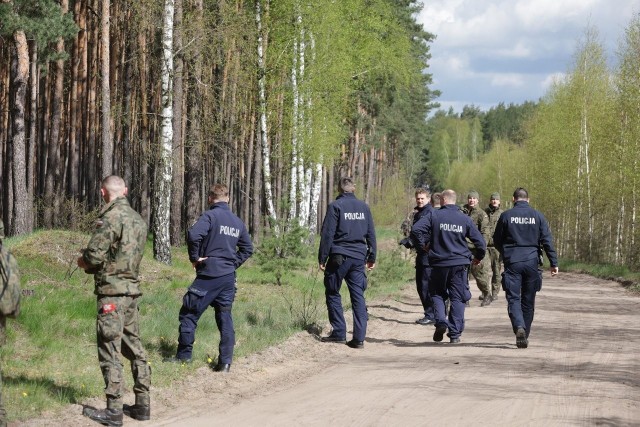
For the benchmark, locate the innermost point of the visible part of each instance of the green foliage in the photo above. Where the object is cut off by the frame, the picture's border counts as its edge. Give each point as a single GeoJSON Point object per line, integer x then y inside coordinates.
{"type": "Point", "coordinates": [41, 20]}
{"type": "Point", "coordinates": [280, 253]}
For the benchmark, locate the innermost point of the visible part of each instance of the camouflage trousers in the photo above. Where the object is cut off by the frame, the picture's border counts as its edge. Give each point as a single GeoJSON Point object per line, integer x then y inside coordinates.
{"type": "Point", "coordinates": [496, 261]}
{"type": "Point", "coordinates": [118, 333]}
{"type": "Point", "coordinates": [481, 274]}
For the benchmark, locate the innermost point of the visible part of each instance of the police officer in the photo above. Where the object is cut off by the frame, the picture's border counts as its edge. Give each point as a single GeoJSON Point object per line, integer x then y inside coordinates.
{"type": "Point", "coordinates": [520, 233]}
{"type": "Point", "coordinates": [113, 256]}
{"type": "Point", "coordinates": [493, 212]}
{"type": "Point", "coordinates": [218, 243]}
{"type": "Point", "coordinates": [423, 271]}
{"type": "Point", "coordinates": [445, 232]}
{"type": "Point", "coordinates": [347, 242]}
{"type": "Point", "coordinates": [480, 271]}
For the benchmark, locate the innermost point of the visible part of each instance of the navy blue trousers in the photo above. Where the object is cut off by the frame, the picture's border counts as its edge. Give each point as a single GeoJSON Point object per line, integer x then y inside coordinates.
{"type": "Point", "coordinates": [520, 282]}
{"type": "Point", "coordinates": [423, 275]}
{"type": "Point", "coordinates": [450, 282]}
{"type": "Point", "coordinates": [352, 271]}
{"type": "Point", "coordinates": [218, 293]}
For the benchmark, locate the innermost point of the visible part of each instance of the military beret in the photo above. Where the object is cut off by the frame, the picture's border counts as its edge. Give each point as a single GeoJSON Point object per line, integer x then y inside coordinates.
{"type": "Point", "coordinates": [495, 196]}
{"type": "Point", "coordinates": [474, 194]}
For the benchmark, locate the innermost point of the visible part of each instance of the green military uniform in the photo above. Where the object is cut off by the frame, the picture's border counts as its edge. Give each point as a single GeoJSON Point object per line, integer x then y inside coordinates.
{"type": "Point", "coordinates": [113, 256]}
{"type": "Point", "coordinates": [493, 214]}
{"type": "Point", "coordinates": [3, 320]}
{"type": "Point", "coordinates": [480, 271]}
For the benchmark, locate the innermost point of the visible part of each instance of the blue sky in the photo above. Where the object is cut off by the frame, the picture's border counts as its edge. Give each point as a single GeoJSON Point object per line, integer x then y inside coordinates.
{"type": "Point", "coordinates": [491, 51]}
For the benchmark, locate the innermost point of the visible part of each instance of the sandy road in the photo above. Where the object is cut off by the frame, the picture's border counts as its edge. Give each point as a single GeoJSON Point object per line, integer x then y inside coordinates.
{"type": "Point", "coordinates": [581, 368]}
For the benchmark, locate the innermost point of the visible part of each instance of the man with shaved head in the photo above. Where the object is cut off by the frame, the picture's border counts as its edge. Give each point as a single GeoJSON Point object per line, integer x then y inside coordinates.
{"type": "Point", "coordinates": [113, 256]}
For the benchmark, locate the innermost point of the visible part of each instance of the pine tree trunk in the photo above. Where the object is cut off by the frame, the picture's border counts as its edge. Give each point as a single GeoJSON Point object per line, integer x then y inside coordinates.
{"type": "Point", "coordinates": [107, 143]}
{"type": "Point", "coordinates": [177, 190]}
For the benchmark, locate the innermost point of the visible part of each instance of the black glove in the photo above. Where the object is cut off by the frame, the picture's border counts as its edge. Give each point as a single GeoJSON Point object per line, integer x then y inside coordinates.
{"type": "Point", "coordinates": [406, 242]}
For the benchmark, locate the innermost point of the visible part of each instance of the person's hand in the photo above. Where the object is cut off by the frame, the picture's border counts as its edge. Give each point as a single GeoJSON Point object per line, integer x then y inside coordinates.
{"type": "Point", "coordinates": [198, 261]}
{"type": "Point", "coordinates": [554, 271]}
{"type": "Point", "coordinates": [370, 265]}
{"type": "Point", "coordinates": [321, 266]}
{"type": "Point", "coordinates": [83, 265]}
{"type": "Point", "coordinates": [476, 261]}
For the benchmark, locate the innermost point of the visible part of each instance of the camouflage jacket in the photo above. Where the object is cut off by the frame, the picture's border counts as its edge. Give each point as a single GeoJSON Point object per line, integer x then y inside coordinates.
{"type": "Point", "coordinates": [115, 249]}
{"type": "Point", "coordinates": [480, 219]}
{"type": "Point", "coordinates": [493, 215]}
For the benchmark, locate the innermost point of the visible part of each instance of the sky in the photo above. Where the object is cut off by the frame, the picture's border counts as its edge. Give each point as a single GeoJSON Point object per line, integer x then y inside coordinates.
{"type": "Point", "coordinates": [492, 51]}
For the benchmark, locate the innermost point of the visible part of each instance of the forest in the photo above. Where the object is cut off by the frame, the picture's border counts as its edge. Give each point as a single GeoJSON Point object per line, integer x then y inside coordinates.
{"type": "Point", "coordinates": [279, 98]}
{"type": "Point", "coordinates": [275, 99]}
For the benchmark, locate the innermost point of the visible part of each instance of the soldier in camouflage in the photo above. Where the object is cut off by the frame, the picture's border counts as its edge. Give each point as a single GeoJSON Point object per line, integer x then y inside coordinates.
{"type": "Point", "coordinates": [113, 256]}
{"type": "Point", "coordinates": [493, 212]}
{"type": "Point", "coordinates": [481, 270]}
{"type": "Point", "coordinates": [3, 412]}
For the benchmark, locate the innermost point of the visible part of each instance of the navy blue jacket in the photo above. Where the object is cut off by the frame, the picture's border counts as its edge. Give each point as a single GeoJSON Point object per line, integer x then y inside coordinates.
{"type": "Point", "coordinates": [421, 255]}
{"type": "Point", "coordinates": [216, 235]}
{"type": "Point", "coordinates": [519, 233]}
{"type": "Point", "coordinates": [446, 230]}
{"type": "Point", "coordinates": [348, 230]}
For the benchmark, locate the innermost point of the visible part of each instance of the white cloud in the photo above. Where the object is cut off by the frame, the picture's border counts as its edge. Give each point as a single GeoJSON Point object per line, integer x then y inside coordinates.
{"type": "Point", "coordinates": [513, 80]}
{"type": "Point", "coordinates": [551, 79]}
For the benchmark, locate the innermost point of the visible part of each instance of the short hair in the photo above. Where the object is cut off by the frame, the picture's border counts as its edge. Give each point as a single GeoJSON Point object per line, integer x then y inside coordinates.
{"type": "Point", "coordinates": [435, 198]}
{"type": "Point", "coordinates": [347, 185]}
{"type": "Point", "coordinates": [114, 185]}
{"type": "Point", "coordinates": [422, 190]}
{"type": "Point", "coordinates": [520, 194]}
{"type": "Point", "coordinates": [218, 191]}
{"type": "Point", "coordinates": [449, 197]}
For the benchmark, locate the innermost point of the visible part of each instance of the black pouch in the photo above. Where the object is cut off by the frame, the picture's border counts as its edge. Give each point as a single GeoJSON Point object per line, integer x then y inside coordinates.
{"type": "Point", "coordinates": [336, 260]}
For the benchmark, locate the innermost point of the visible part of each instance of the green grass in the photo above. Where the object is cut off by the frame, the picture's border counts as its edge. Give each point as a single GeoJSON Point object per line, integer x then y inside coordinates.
{"type": "Point", "coordinates": [619, 273]}
{"type": "Point", "coordinates": [50, 358]}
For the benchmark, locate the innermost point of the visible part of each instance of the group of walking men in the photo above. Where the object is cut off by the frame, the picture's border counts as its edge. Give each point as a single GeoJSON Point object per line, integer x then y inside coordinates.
{"type": "Point", "coordinates": [450, 240]}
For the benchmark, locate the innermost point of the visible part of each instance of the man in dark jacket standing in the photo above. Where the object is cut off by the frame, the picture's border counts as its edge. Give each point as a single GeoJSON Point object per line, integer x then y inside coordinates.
{"type": "Point", "coordinates": [347, 243]}
{"type": "Point", "coordinates": [218, 243]}
{"type": "Point", "coordinates": [520, 233]}
{"type": "Point", "coordinates": [444, 232]}
{"type": "Point", "coordinates": [113, 256]}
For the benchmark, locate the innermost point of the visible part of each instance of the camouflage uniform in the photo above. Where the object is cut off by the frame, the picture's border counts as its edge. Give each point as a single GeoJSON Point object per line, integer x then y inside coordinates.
{"type": "Point", "coordinates": [480, 271]}
{"type": "Point", "coordinates": [113, 256]}
{"type": "Point", "coordinates": [494, 255]}
{"type": "Point", "coordinates": [3, 412]}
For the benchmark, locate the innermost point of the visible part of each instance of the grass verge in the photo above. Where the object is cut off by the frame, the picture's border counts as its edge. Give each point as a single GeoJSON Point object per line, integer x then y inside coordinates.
{"type": "Point", "coordinates": [617, 273]}
{"type": "Point", "coordinates": [50, 358]}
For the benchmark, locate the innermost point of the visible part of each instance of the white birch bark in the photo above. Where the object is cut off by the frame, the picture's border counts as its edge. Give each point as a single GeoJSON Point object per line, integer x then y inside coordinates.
{"type": "Point", "coordinates": [162, 205]}
{"type": "Point", "coordinates": [293, 185]}
{"type": "Point", "coordinates": [266, 155]}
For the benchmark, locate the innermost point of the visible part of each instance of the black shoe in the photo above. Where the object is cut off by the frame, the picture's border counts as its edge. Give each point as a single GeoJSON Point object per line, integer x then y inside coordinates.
{"type": "Point", "coordinates": [521, 338]}
{"type": "Point", "coordinates": [176, 360]}
{"type": "Point", "coordinates": [137, 412]}
{"type": "Point", "coordinates": [486, 301]}
{"type": "Point", "coordinates": [439, 333]}
{"type": "Point", "coordinates": [334, 339]}
{"type": "Point", "coordinates": [481, 297]}
{"type": "Point", "coordinates": [106, 417]}
{"type": "Point", "coordinates": [454, 340]}
{"type": "Point", "coordinates": [425, 321]}
{"type": "Point", "coordinates": [355, 344]}
{"type": "Point", "coordinates": [222, 367]}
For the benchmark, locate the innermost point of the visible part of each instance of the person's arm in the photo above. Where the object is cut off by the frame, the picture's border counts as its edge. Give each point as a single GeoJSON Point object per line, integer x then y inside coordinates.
{"type": "Point", "coordinates": [498, 234]}
{"type": "Point", "coordinates": [371, 241]}
{"type": "Point", "coordinates": [245, 247]}
{"type": "Point", "coordinates": [196, 234]}
{"type": "Point", "coordinates": [95, 254]}
{"type": "Point", "coordinates": [546, 240]}
{"type": "Point", "coordinates": [326, 236]}
{"type": "Point", "coordinates": [421, 231]}
{"type": "Point", "coordinates": [478, 241]}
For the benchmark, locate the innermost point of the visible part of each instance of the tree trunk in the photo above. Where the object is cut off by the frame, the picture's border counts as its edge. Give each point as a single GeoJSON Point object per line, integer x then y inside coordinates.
{"type": "Point", "coordinates": [22, 206]}
{"type": "Point", "coordinates": [107, 143]}
{"type": "Point", "coordinates": [162, 193]}
{"type": "Point", "coordinates": [177, 189]}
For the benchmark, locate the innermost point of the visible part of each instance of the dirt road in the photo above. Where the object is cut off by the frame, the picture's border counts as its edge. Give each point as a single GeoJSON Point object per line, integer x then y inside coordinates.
{"type": "Point", "coordinates": [581, 368]}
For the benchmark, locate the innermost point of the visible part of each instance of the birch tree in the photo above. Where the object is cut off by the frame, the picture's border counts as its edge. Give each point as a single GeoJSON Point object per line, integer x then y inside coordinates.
{"type": "Point", "coordinates": [162, 195]}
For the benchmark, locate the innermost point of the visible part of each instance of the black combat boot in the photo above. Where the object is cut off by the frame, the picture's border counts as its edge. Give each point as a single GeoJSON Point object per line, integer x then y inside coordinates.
{"type": "Point", "coordinates": [137, 412]}
{"type": "Point", "coordinates": [106, 417]}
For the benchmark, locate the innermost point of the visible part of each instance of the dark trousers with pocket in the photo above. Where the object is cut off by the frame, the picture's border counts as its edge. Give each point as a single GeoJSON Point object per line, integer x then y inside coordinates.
{"type": "Point", "coordinates": [352, 271]}
{"type": "Point", "coordinates": [521, 281]}
{"type": "Point", "coordinates": [450, 282]}
{"type": "Point", "coordinates": [219, 293]}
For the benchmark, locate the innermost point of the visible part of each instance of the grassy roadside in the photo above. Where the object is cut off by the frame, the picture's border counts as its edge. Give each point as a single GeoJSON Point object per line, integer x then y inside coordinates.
{"type": "Point", "coordinates": [50, 357]}
{"type": "Point", "coordinates": [621, 274]}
